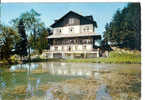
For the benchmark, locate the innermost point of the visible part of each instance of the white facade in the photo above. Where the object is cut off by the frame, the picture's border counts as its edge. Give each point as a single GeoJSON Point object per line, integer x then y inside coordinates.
{"type": "Point", "coordinates": [76, 29]}
{"type": "Point", "coordinates": [87, 47]}
{"type": "Point", "coordinates": [73, 34]}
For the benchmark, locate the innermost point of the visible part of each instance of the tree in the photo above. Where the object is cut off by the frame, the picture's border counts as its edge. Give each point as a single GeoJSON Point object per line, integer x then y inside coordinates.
{"type": "Point", "coordinates": [41, 41]}
{"type": "Point", "coordinates": [8, 39]}
{"type": "Point", "coordinates": [31, 22]}
{"type": "Point", "coordinates": [125, 27]}
{"type": "Point", "coordinates": [134, 17]}
{"type": "Point", "coordinates": [108, 32]}
{"type": "Point", "coordinates": [21, 46]}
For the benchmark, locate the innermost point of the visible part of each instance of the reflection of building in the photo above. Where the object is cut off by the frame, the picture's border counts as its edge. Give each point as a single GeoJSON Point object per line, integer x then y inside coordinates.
{"type": "Point", "coordinates": [68, 69]}
{"type": "Point", "coordinates": [29, 67]}
{"type": "Point", "coordinates": [73, 34]}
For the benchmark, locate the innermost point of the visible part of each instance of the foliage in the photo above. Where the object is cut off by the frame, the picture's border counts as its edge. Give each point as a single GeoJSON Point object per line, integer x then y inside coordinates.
{"type": "Point", "coordinates": [31, 22]}
{"type": "Point", "coordinates": [32, 34]}
{"type": "Point", "coordinates": [41, 40]}
{"type": "Point", "coordinates": [21, 46]}
{"type": "Point", "coordinates": [8, 39]}
{"type": "Point", "coordinates": [29, 18]}
{"type": "Point", "coordinates": [124, 29]}
{"type": "Point", "coordinates": [34, 28]}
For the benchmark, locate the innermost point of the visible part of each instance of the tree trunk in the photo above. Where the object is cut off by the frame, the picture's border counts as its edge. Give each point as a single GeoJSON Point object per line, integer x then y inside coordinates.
{"type": "Point", "coordinates": [29, 55]}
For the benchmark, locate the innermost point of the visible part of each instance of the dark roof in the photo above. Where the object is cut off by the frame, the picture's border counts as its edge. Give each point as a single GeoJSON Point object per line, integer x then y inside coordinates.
{"type": "Point", "coordinates": [89, 18]}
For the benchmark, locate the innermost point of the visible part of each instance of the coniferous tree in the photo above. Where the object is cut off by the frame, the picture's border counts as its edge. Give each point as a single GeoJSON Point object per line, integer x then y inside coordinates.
{"type": "Point", "coordinates": [125, 28]}
{"type": "Point", "coordinates": [21, 46]}
{"type": "Point", "coordinates": [32, 24]}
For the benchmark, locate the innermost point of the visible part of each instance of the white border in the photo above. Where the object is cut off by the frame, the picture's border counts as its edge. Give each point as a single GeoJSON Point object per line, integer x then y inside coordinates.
{"type": "Point", "coordinates": [143, 50]}
{"type": "Point", "coordinates": [142, 28]}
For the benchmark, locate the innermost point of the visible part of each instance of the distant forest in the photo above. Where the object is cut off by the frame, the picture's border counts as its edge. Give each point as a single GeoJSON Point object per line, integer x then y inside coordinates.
{"type": "Point", "coordinates": [125, 28]}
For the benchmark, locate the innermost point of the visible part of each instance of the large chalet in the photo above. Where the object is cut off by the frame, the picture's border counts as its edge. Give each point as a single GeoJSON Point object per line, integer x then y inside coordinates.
{"type": "Point", "coordinates": [74, 36]}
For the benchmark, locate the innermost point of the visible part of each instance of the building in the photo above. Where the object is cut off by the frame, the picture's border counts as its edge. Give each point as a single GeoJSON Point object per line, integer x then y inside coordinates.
{"type": "Point", "coordinates": [74, 36]}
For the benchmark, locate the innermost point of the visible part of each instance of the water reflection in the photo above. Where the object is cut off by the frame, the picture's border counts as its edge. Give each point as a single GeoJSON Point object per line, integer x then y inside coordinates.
{"type": "Point", "coordinates": [49, 95]}
{"type": "Point", "coordinates": [67, 69]}
{"type": "Point", "coordinates": [25, 80]}
{"type": "Point", "coordinates": [102, 93]}
{"type": "Point", "coordinates": [37, 82]}
{"type": "Point", "coordinates": [70, 69]}
{"type": "Point", "coordinates": [28, 67]}
{"type": "Point", "coordinates": [0, 97]}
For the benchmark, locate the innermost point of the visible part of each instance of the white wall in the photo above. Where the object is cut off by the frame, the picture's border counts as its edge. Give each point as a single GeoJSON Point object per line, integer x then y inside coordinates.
{"type": "Point", "coordinates": [90, 26]}
{"type": "Point", "coordinates": [76, 29]}
{"type": "Point", "coordinates": [89, 47]}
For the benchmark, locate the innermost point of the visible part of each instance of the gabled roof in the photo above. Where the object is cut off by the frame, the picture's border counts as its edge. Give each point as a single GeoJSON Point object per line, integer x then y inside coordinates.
{"type": "Point", "coordinates": [89, 18]}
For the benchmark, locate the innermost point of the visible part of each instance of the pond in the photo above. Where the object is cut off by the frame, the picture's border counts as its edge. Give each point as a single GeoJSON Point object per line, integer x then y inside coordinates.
{"type": "Point", "coordinates": [69, 81]}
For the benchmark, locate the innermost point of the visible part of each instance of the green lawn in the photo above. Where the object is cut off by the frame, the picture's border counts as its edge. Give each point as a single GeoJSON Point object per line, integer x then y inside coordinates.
{"type": "Point", "coordinates": [114, 57]}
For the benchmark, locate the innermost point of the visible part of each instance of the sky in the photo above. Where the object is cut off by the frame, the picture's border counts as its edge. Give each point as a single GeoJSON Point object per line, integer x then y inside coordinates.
{"type": "Point", "coordinates": [101, 12]}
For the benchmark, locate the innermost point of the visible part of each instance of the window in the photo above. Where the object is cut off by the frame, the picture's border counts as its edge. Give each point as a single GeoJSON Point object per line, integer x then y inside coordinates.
{"type": "Point", "coordinates": [56, 48]}
{"type": "Point", "coordinates": [69, 48]}
{"type": "Point", "coordinates": [76, 47]}
{"type": "Point", "coordinates": [88, 41]}
{"type": "Point", "coordinates": [62, 48]}
{"type": "Point", "coordinates": [71, 21]}
{"type": "Point", "coordinates": [84, 47]}
{"type": "Point", "coordinates": [86, 29]}
{"type": "Point", "coordinates": [58, 30]}
{"type": "Point", "coordinates": [71, 29]}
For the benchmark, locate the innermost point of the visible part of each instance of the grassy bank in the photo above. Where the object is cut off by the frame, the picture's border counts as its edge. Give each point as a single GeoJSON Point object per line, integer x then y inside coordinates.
{"type": "Point", "coordinates": [114, 57]}
{"type": "Point", "coordinates": [4, 62]}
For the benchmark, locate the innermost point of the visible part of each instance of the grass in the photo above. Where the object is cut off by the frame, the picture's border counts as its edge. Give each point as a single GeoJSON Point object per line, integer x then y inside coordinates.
{"type": "Point", "coordinates": [114, 57]}
{"type": "Point", "coordinates": [3, 62]}
{"type": "Point", "coordinates": [121, 58]}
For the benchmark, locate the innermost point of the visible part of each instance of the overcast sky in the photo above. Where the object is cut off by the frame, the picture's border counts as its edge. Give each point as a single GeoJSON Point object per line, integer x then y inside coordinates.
{"type": "Point", "coordinates": [101, 12]}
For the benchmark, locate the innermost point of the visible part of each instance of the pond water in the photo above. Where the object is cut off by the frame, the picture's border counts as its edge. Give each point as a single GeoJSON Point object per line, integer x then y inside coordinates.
{"type": "Point", "coordinates": [30, 81]}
